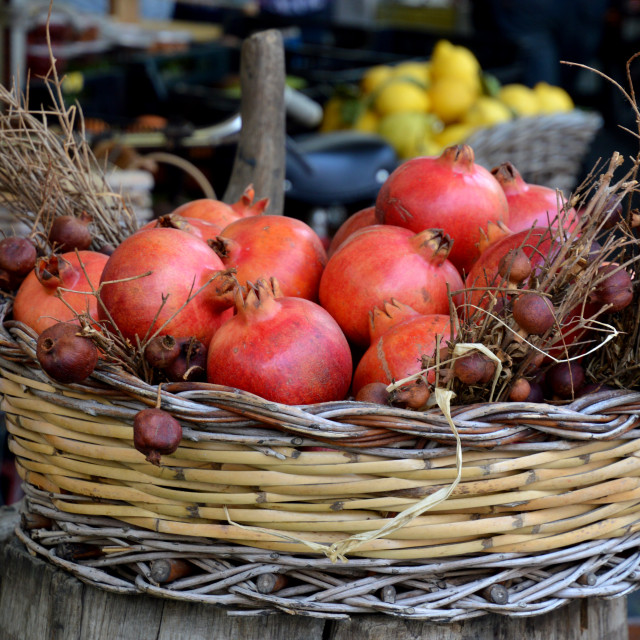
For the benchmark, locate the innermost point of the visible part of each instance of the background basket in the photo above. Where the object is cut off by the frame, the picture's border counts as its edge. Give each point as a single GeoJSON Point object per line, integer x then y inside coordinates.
{"type": "Point", "coordinates": [308, 509]}
{"type": "Point", "coordinates": [549, 150]}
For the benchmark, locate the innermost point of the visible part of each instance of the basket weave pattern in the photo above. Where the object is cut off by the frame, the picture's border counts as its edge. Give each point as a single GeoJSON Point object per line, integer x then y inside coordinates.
{"type": "Point", "coordinates": [547, 506]}
{"type": "Point", "coordinates": [547, 150]}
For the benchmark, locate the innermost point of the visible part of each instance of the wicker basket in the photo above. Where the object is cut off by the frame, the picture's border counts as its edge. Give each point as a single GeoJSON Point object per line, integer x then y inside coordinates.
{"type": "Point", "coordinates": [330, 509]}
{"type": "Point", "coordinates": [547, 150]}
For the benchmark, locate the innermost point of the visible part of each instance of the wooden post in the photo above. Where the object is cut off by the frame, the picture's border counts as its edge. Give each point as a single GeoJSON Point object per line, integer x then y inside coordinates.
{"type": "Point", "coordinates": [125, 10]}
{"type": "Point", "coordinates": [260, 156]}
{"type": "Point", "coordinates": [38, 600]}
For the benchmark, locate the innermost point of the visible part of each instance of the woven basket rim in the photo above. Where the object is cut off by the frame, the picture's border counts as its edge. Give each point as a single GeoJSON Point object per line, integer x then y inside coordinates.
{"type": "Point", "coordinates": [520, 462]}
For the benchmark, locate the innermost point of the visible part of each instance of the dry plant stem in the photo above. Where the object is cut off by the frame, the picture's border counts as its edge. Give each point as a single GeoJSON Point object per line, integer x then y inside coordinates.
{"type": "Point", "coordinates": [47, 170]}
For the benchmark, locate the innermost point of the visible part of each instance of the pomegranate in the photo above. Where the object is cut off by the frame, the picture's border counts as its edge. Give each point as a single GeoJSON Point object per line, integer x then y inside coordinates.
{"type": "Point", "coordinates": [156, 433]}
{"type": "Point", "coordinates": [397, 353]}
{"type": "Point", "coordinates": [363, 218]}
{"type": "Point", "coordinates": [614, 287]}
{"type": "Point", "coordinates": [221, 214]}
{"type": "Point", "coordinates": [284, 349]}
{"type": "Point", "coordinates": [274, 246]}
{"type": "Point", "coordinates": [384, 262]}
{"type": "Point", "coordinates": [17, 256]}
{"type": "Point", "coordinates": [531, 204]}
{"type": "Point", "coordinates": [485, 276]}
{"type": "Point", "coordinates": [149, 278]}
{"type": "Point", "coordinates": [68, 233]}
{"type": "Point", "coordinates": [450, 192]}
{"type": "Point", "coordinates": [64, 354]}
{"type": "Point", "coordinates": [37, 303]}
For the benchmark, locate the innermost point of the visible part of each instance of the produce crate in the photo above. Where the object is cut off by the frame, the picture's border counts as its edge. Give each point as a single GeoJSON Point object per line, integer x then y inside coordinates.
{"type": "Point", "coordinates": [330, 509]}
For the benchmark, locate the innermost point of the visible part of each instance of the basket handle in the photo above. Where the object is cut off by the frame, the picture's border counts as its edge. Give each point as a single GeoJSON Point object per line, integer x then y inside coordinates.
{"type": "Point", "coordinates": [260, 154]}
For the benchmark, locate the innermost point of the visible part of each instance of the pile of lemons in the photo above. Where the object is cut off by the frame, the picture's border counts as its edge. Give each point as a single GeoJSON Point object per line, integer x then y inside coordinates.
{"type": "Point", "coordinates": [421, 107]}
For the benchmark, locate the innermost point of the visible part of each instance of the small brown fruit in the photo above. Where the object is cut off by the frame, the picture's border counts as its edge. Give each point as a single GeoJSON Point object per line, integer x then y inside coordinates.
{"type": "Point", "coordinates": [533, 313]}
{"type": "Point", "coordinates": [156, 433]}
{"type": "Point", "coordinates": [64, 354]}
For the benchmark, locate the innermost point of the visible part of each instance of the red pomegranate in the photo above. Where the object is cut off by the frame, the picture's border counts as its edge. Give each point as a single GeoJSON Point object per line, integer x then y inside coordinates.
{"type": "Point", "coordinates": [284, 349]}
{"type": "Point", "coordinates": [531, 204]}
{"type": "Point", "coordinates": [397, 353]}
{"type": "Point", "coordinates": [449, 192]}
{"type": "Point", "coordinates": [274, 247]}
{"type": "Point", "coordinates": [37, 303]}
{"type": "Point", "coordinates": [484, 276]}
{"type": "Point", "coordinates": [382, 262]}
{"type": "Point", "coordinates": [200, 228]}
{"type": "Point", "coordinates": [356, 221]}
{"type": "Point", "coordinates": [150, 277]}
{"type": "Point", "coordinates": [221, 214]}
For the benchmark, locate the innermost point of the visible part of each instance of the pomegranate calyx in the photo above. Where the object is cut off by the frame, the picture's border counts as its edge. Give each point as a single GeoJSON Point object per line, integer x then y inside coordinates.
{"type": "Point", "coordinates": [220, 288]}
{"type": "Point", "coordinates": [382, 318]}
{"type": "Point", "coordinates": [245, 206]}
{"type": "Point", "coordinates": [509, 177]}
{"type": "Point", "coordinates": [225, 248]}
{"type": "Point", "coordinates": [173, 221]}
{"type": "Point", "coordinates": [435, 243]}
{"type": "Point", "coordinates": [495, 231]}
{"type": "Point", "coordinates": [55, 271]}
{"type": "Point", "coordinates": [260, 297]}
{"type": "Point", "coordinates": [461, 157]}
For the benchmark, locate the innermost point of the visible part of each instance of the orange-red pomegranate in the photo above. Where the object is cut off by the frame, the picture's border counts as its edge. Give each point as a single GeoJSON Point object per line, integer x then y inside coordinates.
{"type": "Point", "coordinates": [385, 262]}
{"type": "Point", "coordinates": [37, 303]}
{"type": "Point", "coordinates": [151, 276]}
{"type": "Point", "coordinates": [397, 352]}
{"type": "Point", "coordinates": [221, 214]}
{"type": "Point", "coordinates": [356, 221]}
{"type": "Point", "coordinates": [278, 247]}
{"type": "Point", "coordinates": [531, 204]}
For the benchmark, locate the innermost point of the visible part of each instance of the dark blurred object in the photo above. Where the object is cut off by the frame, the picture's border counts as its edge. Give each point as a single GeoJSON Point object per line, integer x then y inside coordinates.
{"type": "Point", "coordinates": [544, 32]}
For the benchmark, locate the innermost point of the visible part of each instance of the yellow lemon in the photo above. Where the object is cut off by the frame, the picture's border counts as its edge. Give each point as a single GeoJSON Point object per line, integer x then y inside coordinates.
{"type": "Point", "coordinates": [456, 62]}
{"type": "Point", "coordinates": [441, 49]}
{"type": "Point", "coordinates": [401, 95]}
{"type": "Point", "coordinates": [487, 111]}
{"type": "Point", "coordinates": [332, 115]}
{"type": "Point", "coordinates": [374, 77]}
{"type": "Point", "coordinates": [451, 99]}
{"type": "Point", "coordinates": [367, 121]}
{"type": "Point", "coordinates": [409, 133]}
{"type": "Point", "coordinates": [417, 71]}
{"type": "Point", "coordinates": [454, 134]}
{"type": "Point", "coordinates": [552, 99]}
{"type": "Point", "coordinates": [520, 99]}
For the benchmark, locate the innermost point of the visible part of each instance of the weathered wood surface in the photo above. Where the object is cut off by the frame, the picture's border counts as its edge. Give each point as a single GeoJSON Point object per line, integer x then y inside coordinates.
{"type": "Point", "coordinates": [260, 156]}
{"type": "Point", "coordinates": [41, 602]}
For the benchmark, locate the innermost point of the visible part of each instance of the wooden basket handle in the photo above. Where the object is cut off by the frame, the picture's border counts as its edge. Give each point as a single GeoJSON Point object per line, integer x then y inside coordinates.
{"type": "Point", "coordinates": [260, 155]}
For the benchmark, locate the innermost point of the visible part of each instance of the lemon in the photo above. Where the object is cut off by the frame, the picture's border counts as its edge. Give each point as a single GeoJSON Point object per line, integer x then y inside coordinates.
{"type": "Point", "coordinates": [332, 115]}
{"type": "Point", "coordinates": [409, 133]}
{"type": "Point", "coordinates": [456, 62]}
{"type": "Point", "coordinates": [519, 98]}
{"type": "Point", "coordinates": [401, 95]}
{"type": "Point", "coordinates": [417, 71]}
{"type": "Point", "coordinates": [451, 99]}
{"type": "Point", "coordinates": [487, 111]}
{"type": "Point", "coordinates": [374, 77]}
{"type": "Point", "coordinates": [454, 134]}
{"type": "Point", "coordinates": [367, 121]}
{"type": "Point", "coordinates": [552, 99]}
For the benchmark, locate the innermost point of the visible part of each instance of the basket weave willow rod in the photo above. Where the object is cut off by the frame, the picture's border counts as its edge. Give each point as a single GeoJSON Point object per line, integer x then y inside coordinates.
{"type": "Point", "coordinates": [548, 149]}
{"type": "Point", "coordinates": [307, 509]}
